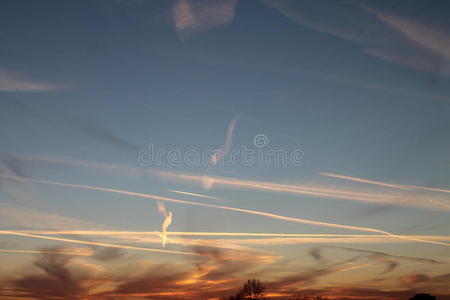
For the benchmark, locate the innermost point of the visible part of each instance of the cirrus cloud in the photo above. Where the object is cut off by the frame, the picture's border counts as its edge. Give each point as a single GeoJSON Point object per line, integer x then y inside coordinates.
{"type": "Point", "coordinates": [10, 82]}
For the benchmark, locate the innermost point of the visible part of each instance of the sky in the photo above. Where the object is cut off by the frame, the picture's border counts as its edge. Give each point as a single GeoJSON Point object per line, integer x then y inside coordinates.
{"type": "Point", "coordinates": [174, 149]}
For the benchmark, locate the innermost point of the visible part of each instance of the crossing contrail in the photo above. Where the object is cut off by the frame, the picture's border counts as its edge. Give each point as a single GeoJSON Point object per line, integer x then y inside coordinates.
{"type": "Point", "coordinates": [394, 197]}
{"type": "Point", "coordinates": [194, 194]}
{"type": "Point", "coordinates": [224, 181]}
{"type": "Point", "coordinates": [233, 239]}
{"type": "Point", "coordinates": [93, 243]}
{"type": "Point", "coordinates": [209, 181]}
{"type": "Point", "coordinates": [248, 211]}
{"type": "Point", "coordinates": [203, 233]}
{"type": "Point", "coordinates": [397, 186]}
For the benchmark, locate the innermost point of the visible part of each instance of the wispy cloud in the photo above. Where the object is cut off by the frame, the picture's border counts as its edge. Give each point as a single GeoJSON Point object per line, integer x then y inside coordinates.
{"type": "Point", "coordinates": [312, 275]}
{"type": "Point", "coordinates": [192, 17]}
{"type": "Point", "coordinates": [79, 124]}
{"type": "Point", "coordinates": [426, 36]}
{"type": "Point", "coordinates": [101, 133]}
{"type": "Point", "coordinates": [414, 278]}
{"type": "Point", "coordinates": [220, 153]}
{"type": "Point", "coordinates": [388, 37]}
{"type": "Point", "coordinates": [426, 281]}
{"type": "Point", "coordinates": [388, 258]}
{"type": "Point", "coordinates": [61, 276]}
{"type": "Point", "coordinates": [84, 252]}
{"type": "Point", "coordinates": [14, 83]}
{"type": "Point", "coordinates": [107, 253]}
{"type": "Point", "coordinates": [391, 264]}
{"type": "Point", "coordinates": [125, 169]}
{"type": "Point", "coordinates": [18, 216]}
{"type": "Point", "coordinates": [438, 202]}
{"type": "Point", "coordinates": [316, 253]}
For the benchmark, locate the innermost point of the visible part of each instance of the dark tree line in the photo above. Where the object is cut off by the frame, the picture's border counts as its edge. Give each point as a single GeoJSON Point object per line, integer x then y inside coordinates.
{"type": "Point", "coordinates": [253, 289]}
{"type": "Point", "coordinates": [423, 297]}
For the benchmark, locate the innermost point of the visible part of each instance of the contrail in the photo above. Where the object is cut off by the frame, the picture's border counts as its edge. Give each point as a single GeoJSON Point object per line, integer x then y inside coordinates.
{"type": "Point", "coordinates": [397, 186]}
{"type": "Point", "coordinates": [254, 212]}
{"type": "Point", "coordinates": [200, 233]}
{"type": "Point", "coordinates": [268, 239]}
{"type": "Point", "coordinates": [324, 192]}
{"type": "Point", "coordinates": [79, 163]}
{"type": "Point", "coordinates": [93, 243]}
{"type": "Point", "coordinates": [281, 241]}
{"type": "Point", "coordinates": [194, 194]}
{"type": "Point", "coordinates": [209, 181]}
{"type": "Point", "coordinates": [219, 154]}
{"type": "Point", "coordinates": [167, 221]}
{"type": "Point", "coordinates": [44, 252]}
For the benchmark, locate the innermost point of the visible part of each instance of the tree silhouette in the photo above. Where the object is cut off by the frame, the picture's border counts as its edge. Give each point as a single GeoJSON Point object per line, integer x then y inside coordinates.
{"type": "Point", "coordinates": [253, 289]}
{"type": "Point", "coordinates": [423, 297]}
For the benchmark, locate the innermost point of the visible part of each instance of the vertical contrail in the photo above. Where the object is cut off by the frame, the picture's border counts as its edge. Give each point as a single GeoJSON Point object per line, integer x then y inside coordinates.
{"type": "Point", "coordinates": [220, 153]}
{"type": "Point", "coordinates": [167, 221]}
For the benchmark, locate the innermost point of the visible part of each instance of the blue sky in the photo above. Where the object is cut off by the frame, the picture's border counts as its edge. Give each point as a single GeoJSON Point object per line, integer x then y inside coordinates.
{"type": "Point", "coordinates": [360, 89]}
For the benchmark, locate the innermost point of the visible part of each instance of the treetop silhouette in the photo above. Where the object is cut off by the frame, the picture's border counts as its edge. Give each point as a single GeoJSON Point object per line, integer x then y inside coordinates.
{"type": "Point", "coordinates": [253, 289]}
{"type": "Point", "coordinates": [422, 297]}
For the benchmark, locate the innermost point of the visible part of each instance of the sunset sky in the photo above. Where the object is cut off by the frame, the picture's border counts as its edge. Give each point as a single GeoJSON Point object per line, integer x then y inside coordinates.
{"type": "Point", "coordinates": [174, 149]}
